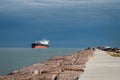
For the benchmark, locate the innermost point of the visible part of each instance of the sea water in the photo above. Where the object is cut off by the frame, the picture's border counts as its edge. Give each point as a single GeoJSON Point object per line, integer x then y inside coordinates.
{"type": "Point", "coordinates": [15, 58]}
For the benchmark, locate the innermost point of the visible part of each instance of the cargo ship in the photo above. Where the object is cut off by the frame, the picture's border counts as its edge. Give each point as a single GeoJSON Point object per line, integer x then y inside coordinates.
{"type": "Point", "coordinates": [41, 44]}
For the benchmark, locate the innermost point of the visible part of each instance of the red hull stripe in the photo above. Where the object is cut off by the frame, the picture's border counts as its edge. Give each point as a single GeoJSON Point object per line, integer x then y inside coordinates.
{"type": "Point", "coordinates": [40, 47]}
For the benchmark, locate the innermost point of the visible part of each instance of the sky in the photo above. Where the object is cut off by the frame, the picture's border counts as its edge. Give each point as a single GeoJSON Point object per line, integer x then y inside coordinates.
{"type": "Point", "coordinates": [66, 23]}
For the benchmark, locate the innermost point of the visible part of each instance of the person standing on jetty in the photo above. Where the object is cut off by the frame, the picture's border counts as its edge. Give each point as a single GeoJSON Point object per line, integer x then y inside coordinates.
{"type": "Point", "coordinates": [91, 48]}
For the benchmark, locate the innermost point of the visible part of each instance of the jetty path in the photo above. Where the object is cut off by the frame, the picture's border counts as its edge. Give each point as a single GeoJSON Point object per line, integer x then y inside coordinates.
{"type": "Point", "coordinates": [102, 67]}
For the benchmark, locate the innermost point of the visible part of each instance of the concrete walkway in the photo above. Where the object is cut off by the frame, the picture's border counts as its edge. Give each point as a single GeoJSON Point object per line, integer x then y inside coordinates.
{"type": "Point", "coordinates": [102, 67]}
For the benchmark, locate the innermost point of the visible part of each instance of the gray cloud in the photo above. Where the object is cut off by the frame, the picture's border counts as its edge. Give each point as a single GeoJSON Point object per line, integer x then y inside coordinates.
{"type": "Point", "coordinates": [56, 17]}
{"type": "Point", "coordinates": [48, 3]}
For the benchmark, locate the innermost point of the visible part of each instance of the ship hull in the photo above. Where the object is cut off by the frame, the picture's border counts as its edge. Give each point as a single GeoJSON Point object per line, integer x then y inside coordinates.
{"type": "Point", "coordinates": [39, 46]}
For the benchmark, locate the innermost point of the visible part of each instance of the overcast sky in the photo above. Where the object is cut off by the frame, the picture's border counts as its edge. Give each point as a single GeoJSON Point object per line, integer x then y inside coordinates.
{"type": "Point", "coordinates": [66, 23]}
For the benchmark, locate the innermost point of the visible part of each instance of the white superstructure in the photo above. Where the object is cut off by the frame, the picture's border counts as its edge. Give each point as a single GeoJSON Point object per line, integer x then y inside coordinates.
{"type": "Point", "coordinates": [44, 41]}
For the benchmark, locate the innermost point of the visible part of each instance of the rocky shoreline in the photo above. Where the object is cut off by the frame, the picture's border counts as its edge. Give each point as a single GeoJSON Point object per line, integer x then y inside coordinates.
{"type": "Point", "coordinates": [68, 67]}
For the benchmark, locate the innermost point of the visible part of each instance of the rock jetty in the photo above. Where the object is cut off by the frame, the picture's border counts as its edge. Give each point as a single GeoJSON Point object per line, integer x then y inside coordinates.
{"type": "Point", "coordinates": [68, 67]}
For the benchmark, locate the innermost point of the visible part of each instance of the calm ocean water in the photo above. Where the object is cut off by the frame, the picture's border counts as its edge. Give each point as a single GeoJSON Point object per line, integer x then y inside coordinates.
{"type": "Point", "coordinates": [15, 58]}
